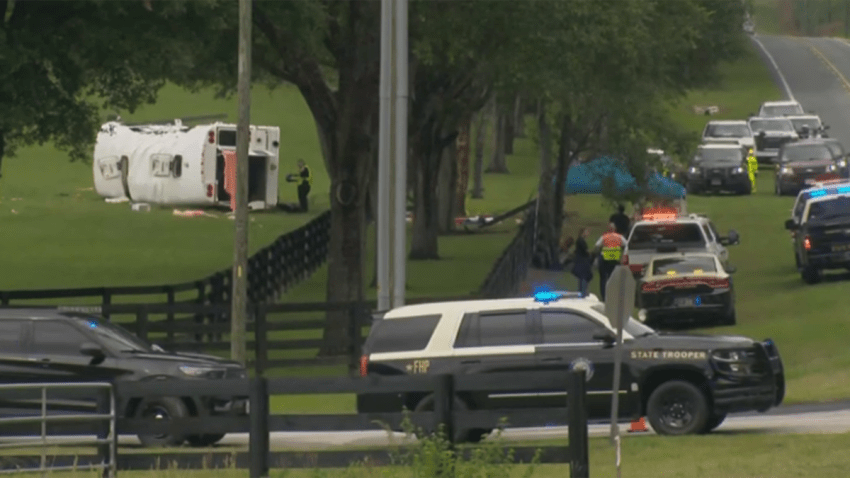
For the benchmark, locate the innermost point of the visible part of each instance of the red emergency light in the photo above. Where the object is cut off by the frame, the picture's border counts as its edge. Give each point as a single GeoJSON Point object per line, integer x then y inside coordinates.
{"type": "Point", "coordinates": [664, 213]}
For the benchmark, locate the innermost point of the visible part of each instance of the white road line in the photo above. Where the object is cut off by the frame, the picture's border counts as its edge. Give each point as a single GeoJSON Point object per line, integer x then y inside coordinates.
{"type": "Point", "coordinates": [788, 93]}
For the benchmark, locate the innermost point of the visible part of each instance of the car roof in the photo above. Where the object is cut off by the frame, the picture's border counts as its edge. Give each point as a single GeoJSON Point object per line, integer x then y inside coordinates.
{"type": "Point", "coordinates": [729, 145]}
{"type": "Point", "coordinates": [803, 117]}
{"type": "Point", "coordinates": [33, 313]}
{"type": "Point", "coordinates": [678, 255]}
{"type": "Point", "coordinates": [727, 122]}
{"type": "Point", "coordinates": [483, 305]}
{"type": "Point", "coordinates": [769, 118]}
{"type": "Point", "coordinates": [780, 103]}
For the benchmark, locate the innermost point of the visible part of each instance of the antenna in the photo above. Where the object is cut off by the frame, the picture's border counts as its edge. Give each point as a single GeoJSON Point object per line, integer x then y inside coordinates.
{"type": "Point", "coordinates": [184, 120]}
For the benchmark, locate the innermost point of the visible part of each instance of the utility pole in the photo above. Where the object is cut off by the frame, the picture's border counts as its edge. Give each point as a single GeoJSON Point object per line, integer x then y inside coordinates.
{"type": "Point", "coordinates": [239, 298]}
{"type": "Point", "coordinates": [384, 219]}
{"type": "Point", "coordinates": [401, 98]}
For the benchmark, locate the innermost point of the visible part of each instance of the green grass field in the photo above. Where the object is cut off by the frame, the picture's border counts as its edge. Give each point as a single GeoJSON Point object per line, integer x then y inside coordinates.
{"type": "Point", "coordinates": [776, 456]}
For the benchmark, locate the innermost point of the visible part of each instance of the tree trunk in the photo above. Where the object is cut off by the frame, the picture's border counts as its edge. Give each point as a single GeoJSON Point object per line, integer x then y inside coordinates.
{"type": "Point", "coordinates": [447, 188]}
{"type": "Point", "coordinates": [428, 152]}
{"type": "Point", "coordinates": [2, 151]}
{"type": "Point", "coordinates": [497, 161]}
{"type": "Point", "coordinates": [509, 133]}
{"type": "Point", "coordinates": [545, 140]}
{"type": "Point", "coordinates": [478, 165]}
{"type": "Point", "coordinates": [519, 118]}
{"type": "Point", "coordinates": [462, 146]}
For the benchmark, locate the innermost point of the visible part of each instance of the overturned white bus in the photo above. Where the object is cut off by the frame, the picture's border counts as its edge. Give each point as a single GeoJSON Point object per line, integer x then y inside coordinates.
{"type": "Point", "coordinates": [174, 164]}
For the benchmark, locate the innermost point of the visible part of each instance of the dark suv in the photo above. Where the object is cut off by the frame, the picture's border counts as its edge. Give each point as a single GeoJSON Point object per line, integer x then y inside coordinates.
{"type": "Point", "coordinates": [802, 164]}
{"type": "Point", "coordinates": [51, 345]}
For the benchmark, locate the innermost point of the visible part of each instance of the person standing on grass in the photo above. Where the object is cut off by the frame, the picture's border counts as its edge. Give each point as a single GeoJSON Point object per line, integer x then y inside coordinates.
{"type": "Point", "coordinates": [304, 180]}
{"type": "Point", "coordinates": [610, 248]}
{"type": "Point", "coordinates": [582, 262]}
{"type": "Point", "coordinates": [621, 220]}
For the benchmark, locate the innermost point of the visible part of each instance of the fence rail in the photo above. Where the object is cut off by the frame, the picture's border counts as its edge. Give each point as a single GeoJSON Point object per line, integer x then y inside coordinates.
{"type": "Point", "coordinates": [260, 423]}
{"type": "Point", "coordinates": [272, 270]}
{"type": "Point", "coordinates": [511, 268]}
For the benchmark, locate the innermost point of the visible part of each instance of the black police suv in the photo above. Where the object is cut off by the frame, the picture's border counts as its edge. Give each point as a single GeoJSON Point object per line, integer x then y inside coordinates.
{"type": "Point", "coordinates": [50, 345]}
{"type": "Point", "coordinates": [719, 167]}
{"type": "Point", "coordinates": [822, 237]}
{"type": "Point", "coordinates": [686, 383]}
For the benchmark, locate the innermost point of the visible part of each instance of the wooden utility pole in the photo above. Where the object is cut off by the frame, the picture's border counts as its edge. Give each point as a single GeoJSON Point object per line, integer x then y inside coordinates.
{"type": "Point", "coordinates": [239, 301]}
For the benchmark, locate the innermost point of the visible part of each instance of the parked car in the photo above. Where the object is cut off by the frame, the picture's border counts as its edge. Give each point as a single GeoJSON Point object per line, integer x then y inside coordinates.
{"type": "Point", "coordinates": [809, 126]}
{"type": "Point", "coordinates": [781, 108]}
{"type": "Point", "coordinates": [51, 345]}
{"type": "Point", "coordinates": [822, 236]}
{"type": "Point", "coordinates": [724, 132]}
{"type": "Point", "coordinates": [685, 289]}
{"type": "Point", "coordinates": [687, 383]}
{"type": "Point", "coordinates": [804, 163]}
{"type": "Point", "coordinates": [719, 167]}
{"type": "Point", "coordinates": [770, 135]}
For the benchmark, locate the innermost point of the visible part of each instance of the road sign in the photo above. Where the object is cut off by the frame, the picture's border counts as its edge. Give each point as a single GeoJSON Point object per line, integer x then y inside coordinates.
{"type": "Point", "coordinates": [619, 302]}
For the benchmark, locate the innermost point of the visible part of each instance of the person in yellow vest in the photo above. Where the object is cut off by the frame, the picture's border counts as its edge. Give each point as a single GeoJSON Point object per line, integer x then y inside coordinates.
{"type": "Point", "coordinates": [610, 247]}
{"type": "Point", "coordinates": [304, 180]}
{"type": "Point", "coordinates": [752, 167]}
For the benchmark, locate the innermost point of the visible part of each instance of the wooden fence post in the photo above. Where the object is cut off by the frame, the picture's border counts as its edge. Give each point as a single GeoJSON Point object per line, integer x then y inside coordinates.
{"type": "Point", "coordinates": [142, 324]}
{"type": "Point", "coordinates": [107, 300]}
{"type": "Point", "coordinates": [355, 338]}
{"type": "Point", "coordinates": [443, 406]}
{"type": "Point", "coordinates": [258, 441]}
{"type": "Point", "coordinates": [577, 411]}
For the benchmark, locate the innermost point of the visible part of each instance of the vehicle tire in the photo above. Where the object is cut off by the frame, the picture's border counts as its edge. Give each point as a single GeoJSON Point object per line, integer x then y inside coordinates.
{"type": "Point", "coordinates": [810, 275]}
{"type": "Point", "coordinates": [677, 407]}
{"type": "Point", "coordinates": [714, 421]}
{"type": "Point", "coordinates": [204, 440]}
{"type": "Point", "coordinates": [474, 435]}
{"type": "Point", "coordinates": [163, 408]}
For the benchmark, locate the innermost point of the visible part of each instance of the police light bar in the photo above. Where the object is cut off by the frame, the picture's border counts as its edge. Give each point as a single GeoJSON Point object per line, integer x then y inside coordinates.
{"type": "Point", "coordinates": [830, 191]}
{"type": "Point", "coordinates": [660, 214]}
{"type": "Point", "coordinates": [549, 296]}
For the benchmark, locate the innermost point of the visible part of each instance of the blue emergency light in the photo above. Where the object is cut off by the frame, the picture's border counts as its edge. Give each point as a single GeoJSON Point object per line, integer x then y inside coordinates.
{"type": "Point", "coordinates": [818, 193]}
{"type": "Point", "coordinates": [92, 324]}
{"type": "Point", "coordinates": [546, 296]}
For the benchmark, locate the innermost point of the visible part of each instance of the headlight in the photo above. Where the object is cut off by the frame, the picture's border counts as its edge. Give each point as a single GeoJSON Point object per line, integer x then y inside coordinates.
{"type": "Point", "coordinates": [201, 371]}
{"type": "Point", "coordinates": [694, 170]}
{"type": "Point", "coordinates": [842, 163]}
{"type": "Point", "coordinates": [786, 171]}
{"type": "Point", "coordinates": [738, 170]}
{"type": "Point", "coordinates": [734, 361]}
{"type": "Point", "coordinates": [831, 167]}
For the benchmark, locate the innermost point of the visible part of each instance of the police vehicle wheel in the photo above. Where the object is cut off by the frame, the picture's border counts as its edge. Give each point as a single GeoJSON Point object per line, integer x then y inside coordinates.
{"type": "Point", "coordinates": [474, 435]}
{"type": "Point", "coordinates": [810, 275]}
{"type": "Point", "coordinates": [164, 408]}
{"type": "Point", "coordinates": [204, 440]}
{"type": "Point", "coordinates": [714, 421]}
{"type": "Point", "coordinates": [677, 408]}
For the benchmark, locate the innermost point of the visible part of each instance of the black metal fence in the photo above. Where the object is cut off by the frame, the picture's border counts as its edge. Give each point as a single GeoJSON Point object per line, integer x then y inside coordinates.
{"type": "Point", "coordinates": [272, 270]}
{"type": "Point", "coordinates": [512, 266]}
{"type": "Point", "coordinates": [261, 423]}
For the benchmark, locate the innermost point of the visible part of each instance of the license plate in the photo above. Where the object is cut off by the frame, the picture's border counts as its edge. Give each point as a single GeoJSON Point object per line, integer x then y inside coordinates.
{"type": "Point", "coordinates": [715, 182]}
{"type": "Point", "coordinates": [843, 247]}
{"type": "Point", "coordinates": [683, 302]}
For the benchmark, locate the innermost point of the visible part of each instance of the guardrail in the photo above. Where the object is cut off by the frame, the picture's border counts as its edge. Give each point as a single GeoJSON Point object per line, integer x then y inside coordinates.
{"type": "Point", "coordinates": [105, 411]}
{"type": "Point", "coordinates": [261, 422]}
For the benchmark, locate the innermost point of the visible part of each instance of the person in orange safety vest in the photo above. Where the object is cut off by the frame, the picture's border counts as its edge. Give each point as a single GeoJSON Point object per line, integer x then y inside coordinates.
{"type": "Point", "coordinates": [610, 247]}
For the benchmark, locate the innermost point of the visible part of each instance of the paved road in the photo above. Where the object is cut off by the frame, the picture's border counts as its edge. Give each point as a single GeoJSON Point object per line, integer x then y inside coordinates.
{"type": "Point", "coordinates": [806, 64]}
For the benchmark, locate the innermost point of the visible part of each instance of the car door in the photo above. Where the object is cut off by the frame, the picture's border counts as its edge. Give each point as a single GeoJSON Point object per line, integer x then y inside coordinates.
{"type": "Point", "coordinates": [492, 342]}
{"type": "Point", "coordinates": [14, 366]}
{"type": "Point", "coordinates": [714, 239]}
{"type": "Point", "coordinates": [569, 338]}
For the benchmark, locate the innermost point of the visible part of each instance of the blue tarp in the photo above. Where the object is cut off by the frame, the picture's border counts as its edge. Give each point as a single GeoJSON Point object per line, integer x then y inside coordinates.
{"type": "Point", "coordinates": [589, 177]}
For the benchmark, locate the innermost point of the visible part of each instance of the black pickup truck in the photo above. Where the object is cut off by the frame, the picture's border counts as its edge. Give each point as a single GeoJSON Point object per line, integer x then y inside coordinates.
{"type": "Point", "coordinates": [822, 238]}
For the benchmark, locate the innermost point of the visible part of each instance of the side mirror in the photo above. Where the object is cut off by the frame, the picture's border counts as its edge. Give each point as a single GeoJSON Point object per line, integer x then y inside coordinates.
{"type": "Point", "coordinates": [733, 238]}
{"type": "Point", "coordinates": [606, 337]}
{"type": "Point", "coordinates": [94, 351]}
{"type": "Point", "coordinates": [731, 269]}
{"type": "Point", "coordinates": [790, 225]}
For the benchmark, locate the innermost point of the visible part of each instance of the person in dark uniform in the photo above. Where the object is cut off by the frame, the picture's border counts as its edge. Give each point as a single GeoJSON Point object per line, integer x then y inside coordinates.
{"type": "Point", "coordinates": [620, 220]}
{"type": "Point", "coordinates": [582, 262]}
{"type": "Point", "coordinates": [304, 179]}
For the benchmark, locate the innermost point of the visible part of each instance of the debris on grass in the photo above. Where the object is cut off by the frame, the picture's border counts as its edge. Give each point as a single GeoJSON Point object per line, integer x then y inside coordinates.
{"type": "Point", "coordinates": [117, 200]}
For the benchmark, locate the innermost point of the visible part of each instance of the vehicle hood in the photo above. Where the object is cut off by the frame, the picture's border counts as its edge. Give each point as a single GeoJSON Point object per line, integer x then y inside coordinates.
{"type": "Point", "coordinates": [189, 359]}
{"type": "Point", "coordinates": [717, 165]}
{"type": "Point", "coordinates": [645, 254]}
{"type": "Point", "coordinates": [777, 134]}
{"type": "Point", "coordinates": [808, 164]}
{"type": "Point", "coordinates": [673, 341]}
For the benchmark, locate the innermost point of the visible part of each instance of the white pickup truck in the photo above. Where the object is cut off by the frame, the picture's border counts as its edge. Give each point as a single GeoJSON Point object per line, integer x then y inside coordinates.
{"type": "Point", "coordinates": [655, 235]}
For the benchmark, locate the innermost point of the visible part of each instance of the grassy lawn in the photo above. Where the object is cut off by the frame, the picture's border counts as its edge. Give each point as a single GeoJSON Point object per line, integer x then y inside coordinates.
{"type": "Point", "coordinates": [777, 456]}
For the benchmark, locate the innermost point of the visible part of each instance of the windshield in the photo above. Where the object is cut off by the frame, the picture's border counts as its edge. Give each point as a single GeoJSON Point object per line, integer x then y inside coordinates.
{"type": "Point", "coordinates": [782, 110]}
{"type": "Point", "coordinates": [727, 131]}
{"type": "Point", "coordinates": [650, 236]}
{"type": "Point", "coordinates": [799, 123]}
{"type": "Point", "coordinates": [631, 327]}
{"type": "Point", "coordinates": [809, 152]}
{"type": "Point", "coordinates": [114, 336]}
{"type": "Point", "coordinates": [683, 265]}
{"type": "Point", "coordinates": [837, 207]}
{"type": "Point", "coordinates": [771, 125]}
{"type": "Point", "coordinates": [731, 155]}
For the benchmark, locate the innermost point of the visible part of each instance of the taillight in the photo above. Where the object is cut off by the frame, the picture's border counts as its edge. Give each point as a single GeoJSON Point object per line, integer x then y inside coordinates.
{"type": "Point", "coordinates": [364, 365]}
{"type": "Point", "coordinates": [636, 268]}
{"type": "Point", "coordinates": [719, 283]}
{"type": "Point", "coordinates": [210, 190]}
{"type": "Point", "coordinates": [807, 243]}
{"type": "Point", "coordinates": [212, 136]}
